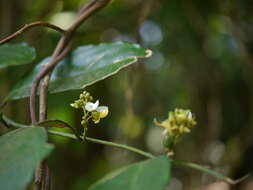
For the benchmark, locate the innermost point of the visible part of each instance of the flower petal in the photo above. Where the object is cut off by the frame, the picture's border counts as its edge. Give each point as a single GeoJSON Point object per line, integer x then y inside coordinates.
{"type": "Point", "coordinates": [89, 106]}
{"type": "Point", "coordinates": [96, 104]}
{"type": "Point", "coordinates": [103, 111]}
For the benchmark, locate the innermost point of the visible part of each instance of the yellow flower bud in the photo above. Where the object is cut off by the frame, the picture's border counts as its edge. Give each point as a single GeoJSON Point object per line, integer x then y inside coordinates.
{"type": "Point", "coordinates": [95, 117]}
{"type": "Point", "coordinates": [178, 123]}
{"type": "Point", "coordinates": [103, 111]}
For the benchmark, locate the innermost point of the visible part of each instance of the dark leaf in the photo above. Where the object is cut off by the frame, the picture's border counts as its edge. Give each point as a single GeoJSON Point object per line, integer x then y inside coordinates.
{"type": "Point", "coordinates": [85, 66]}
{"type": "Point", "coordinates": [21, 151]}
{"type": "Point", "coordinates": [153, 174]}
{"type": "Point", "coordinates": [16, 54]}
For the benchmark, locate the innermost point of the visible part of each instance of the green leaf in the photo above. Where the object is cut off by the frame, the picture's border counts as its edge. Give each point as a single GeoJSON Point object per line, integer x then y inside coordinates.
{"type": "Point", "coordinates": [21, 151]}
{"type": "Point", "coordinates": [153, 174]}
{"type": "Point", "coordinates": [16, 54]}
{"type": "Point", "coordinates": [85, 66]}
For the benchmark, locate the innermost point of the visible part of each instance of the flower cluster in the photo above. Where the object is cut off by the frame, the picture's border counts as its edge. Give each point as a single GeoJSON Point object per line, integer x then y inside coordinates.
{"type": "Point", "coordinates": [179, 122]}
{"type": "Point", "coordinates": [91, 110]}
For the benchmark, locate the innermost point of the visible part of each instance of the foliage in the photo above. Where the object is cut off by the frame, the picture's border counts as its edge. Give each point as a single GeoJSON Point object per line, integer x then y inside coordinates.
{"type": "Point", "coordinates": [94, 63]}
{"type": "Point", "coordinates": [22, 150]}
{"type": "Point", "coordinates": [85, 66]}
{"type": "Point", "coordinates": [17, 54]}
{"type": "Point", "coordinates": [201, 60]}
{"type": "Point", "coordinates": [138, 176]}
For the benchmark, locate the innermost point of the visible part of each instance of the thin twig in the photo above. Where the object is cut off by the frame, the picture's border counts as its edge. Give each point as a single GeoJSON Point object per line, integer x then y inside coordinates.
{"type": "Point", "coordinates": [10, 122]}
{"type": "Point", "coordinates": [47, 180]}
{"type": "Point", "coordinates": [35, 83]}
{"type": "Point", "coordinates": [60, 52]}
{"type": "Point", "coordinates": [43, 97]}
{"type": "Point", "coordinates": [86, 6]}
{"type": "Point", "coordinates": [107, 143]}
{"type": "Point", "coordinates": [42, 179]}
{"type": "Point", "coordinates": [149, 155]}
{"type": "Point", "coordinates": [2, 105]}
{"type": "Point", "coordinates": [85, 12]}
{"type": "Point", "coordinates": [209, 172]}
{"type": "Point", "coordinates": [29, 26]}
{"type": "Point", "coordinates": [45, 81]}
{"type": "Point", "coordinates": [91, 8]}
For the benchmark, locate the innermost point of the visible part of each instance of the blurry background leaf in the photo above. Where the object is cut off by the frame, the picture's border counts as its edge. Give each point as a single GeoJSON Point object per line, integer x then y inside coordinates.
{"type": "Point", "coordinates": [85, 66]}
{"type": "Point", "coordinates": [21, 151]}
{"type": "Point", "coordinates": [16, 54]}
{"type": "Point", "coordinates": [153, 174]}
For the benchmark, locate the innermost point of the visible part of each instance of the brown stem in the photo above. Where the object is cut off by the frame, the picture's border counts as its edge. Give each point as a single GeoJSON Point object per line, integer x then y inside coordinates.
{"type": "Point", "coordinates": [38, 178]}
{"type": "Point", "coordinates": [47, 180]}
{"type": "Point", "coordinates": [35, 83]}
{"type": "Point", "coordinates": [86, 6]}
{"type": "Point", "coordinates": [43, 97]}
{"type": "Point", "coordinates": [60, 52]}
{"type": "Point", "coordinates": [29, 26]}
{"type": "Point", "coordinates": [42, 178]}
{"type": "Point", "coordinates": [45, 83]}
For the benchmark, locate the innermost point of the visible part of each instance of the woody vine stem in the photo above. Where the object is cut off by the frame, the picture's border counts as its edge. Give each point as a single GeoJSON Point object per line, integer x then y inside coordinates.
{"type": "Point", "coordinates": [43, 77]}
{"type": "Point", "coordinates": [60, 51]}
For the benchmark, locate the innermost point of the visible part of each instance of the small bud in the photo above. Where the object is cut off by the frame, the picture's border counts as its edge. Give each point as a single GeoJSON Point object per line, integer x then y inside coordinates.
{"type": "Point", "coordinates": [83, 122]}
{"type": "Point", "coordinates": [95, 117]}
{"type": "Point", "coordinates": [73, 105]}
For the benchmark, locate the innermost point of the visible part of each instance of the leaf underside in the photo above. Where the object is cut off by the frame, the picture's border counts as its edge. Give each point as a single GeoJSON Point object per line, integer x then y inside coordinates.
{"type": "Point", "coordinates": [84, 66]}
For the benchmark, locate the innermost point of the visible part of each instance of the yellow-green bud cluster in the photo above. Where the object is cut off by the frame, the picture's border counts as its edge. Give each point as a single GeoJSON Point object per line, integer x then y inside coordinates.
{"type": "Point", "coordinates": [84, 98]}
{"type": "Point", "coordinates": [179, 122]}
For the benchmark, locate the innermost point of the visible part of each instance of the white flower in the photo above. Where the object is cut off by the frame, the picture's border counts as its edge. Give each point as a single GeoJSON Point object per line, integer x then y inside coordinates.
{"type": "Point", "coordinates": [103, 111]}
{"type": "Point", "coordinates": [97, 112]}
{"type": "Point", "coordinates": [89, 106]}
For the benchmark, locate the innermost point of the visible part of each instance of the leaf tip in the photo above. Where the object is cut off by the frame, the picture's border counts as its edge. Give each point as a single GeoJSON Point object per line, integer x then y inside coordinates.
{"type": "Point", "coordinates": [148, 53]}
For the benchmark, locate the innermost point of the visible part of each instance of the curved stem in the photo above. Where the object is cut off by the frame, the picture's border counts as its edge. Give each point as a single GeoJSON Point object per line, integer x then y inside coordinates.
{"type": "Point", "coordinates": [29, 26]}
{"type": "Point", "coordinates": [149, 155]}
{"type": "Point", "coordinates": [10, 122]}
{"type": "Point", "coordinates": [135, 150]}
{"type": "Point", "coordinates": [205, 170]}
{"type": "Point", "coordinates": [36, 81]}
{"type": "Point", "coordinates": [132, 149]}
{"type": "Point", "coordinates": [89, 9]}
{"type": "Point", "coordinates": [107, 143]}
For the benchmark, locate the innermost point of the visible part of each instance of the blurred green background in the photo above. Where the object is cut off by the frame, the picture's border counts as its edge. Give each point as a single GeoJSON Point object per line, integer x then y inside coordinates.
{"type": "Point", "coordinates": [202, 60]}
